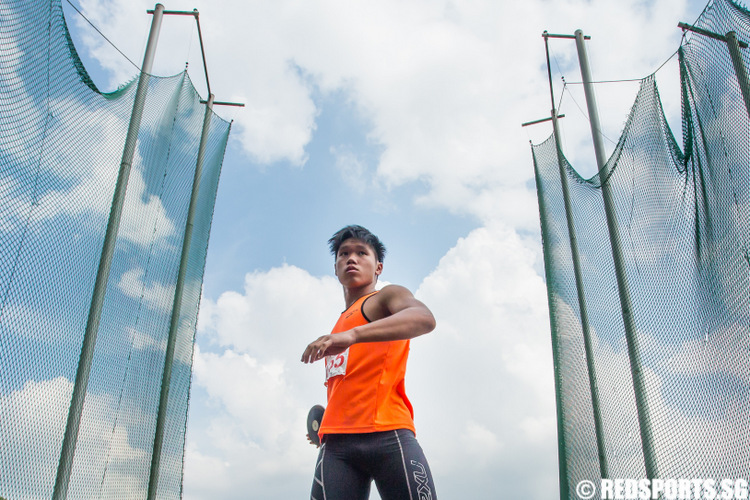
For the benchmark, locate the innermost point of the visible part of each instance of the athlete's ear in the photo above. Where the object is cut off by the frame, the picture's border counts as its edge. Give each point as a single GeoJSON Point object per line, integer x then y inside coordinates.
{"type": "Point", "coordinates": [379, 269]}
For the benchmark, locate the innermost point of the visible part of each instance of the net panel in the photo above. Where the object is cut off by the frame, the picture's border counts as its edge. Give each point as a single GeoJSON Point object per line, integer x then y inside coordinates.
{"type": "Point", "coordinates": [61, 144]}
{"type": "Point", "coordinates": [682, 217]}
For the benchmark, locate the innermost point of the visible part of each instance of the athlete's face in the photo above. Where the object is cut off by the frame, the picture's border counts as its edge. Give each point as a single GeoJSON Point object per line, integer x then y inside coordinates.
{"type": "Point", "coordinates": [357, 263]}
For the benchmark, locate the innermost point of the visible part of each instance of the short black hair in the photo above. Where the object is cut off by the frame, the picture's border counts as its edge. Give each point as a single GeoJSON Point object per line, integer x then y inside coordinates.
{"type": "Point", "coordinates": [359, 233]}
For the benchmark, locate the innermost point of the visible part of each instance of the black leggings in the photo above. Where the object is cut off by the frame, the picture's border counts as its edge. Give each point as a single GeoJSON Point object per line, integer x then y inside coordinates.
{"type": "Point", "coordinates": [347, 464]}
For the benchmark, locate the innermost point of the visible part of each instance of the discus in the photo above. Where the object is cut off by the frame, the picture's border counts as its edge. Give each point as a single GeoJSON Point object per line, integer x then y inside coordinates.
{"type": "Point", "coordinates": [314, 417]}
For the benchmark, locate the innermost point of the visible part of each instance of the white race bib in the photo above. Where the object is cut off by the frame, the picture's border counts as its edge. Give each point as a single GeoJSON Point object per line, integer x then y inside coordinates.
{"type": "Point", "coordinates": [336, 365]}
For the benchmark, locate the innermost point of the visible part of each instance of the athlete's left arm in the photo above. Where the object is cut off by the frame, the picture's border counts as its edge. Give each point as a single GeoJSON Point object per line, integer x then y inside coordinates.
{"type": "Point", "coordinates": [395, 314]}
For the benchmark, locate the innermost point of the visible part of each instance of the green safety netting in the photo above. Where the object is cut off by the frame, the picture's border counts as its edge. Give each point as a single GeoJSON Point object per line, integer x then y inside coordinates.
{"type": "Point", "coordinates": [681, 213]}
{"type": "Point", "coordinates": [61, 144]}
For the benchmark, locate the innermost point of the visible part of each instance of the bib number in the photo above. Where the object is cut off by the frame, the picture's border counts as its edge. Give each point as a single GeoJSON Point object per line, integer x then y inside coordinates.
{"type": "Point", "coordinates": [336, 365]}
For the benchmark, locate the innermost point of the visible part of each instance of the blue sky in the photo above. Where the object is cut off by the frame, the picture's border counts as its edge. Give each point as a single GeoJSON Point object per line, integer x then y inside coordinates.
{"type": "Point", "coordinates": [403, 117]}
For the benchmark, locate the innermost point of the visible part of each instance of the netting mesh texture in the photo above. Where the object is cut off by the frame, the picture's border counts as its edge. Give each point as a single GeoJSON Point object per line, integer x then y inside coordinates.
{"type": "Point", "coordinates": [61, 144]}
{"type": "Point", "coordinates": [682, 217]}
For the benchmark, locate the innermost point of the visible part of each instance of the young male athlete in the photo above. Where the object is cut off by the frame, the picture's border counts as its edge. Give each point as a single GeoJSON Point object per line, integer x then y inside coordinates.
{"type": "Point", "coordinates": [367, 431]}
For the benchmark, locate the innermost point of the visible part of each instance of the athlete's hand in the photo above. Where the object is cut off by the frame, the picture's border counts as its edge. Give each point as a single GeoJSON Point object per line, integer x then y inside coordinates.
{"type": "Point", "coordinates": [311, 441]}
{"type": "Point", "coordinates": [328, 345]}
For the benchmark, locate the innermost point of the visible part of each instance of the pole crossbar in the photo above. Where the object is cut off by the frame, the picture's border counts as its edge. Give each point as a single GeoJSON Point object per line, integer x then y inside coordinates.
{"type": "Point", "coordinates": [551, 35]}
{"type": "Point", "coordinates": [733, 45]}
{"type": "Point", "coordinates": [739, 68]}
{"type": "Point", "coordinates": [196, 15]}
{"type": "Point", "coordinates": [710, 34]}
{"type": "Point", "coordinates": [541, 120]}
{"type": "Point", "coordinates": [224, 103]}
{"type": "Point", "coordinates": [193, 12]}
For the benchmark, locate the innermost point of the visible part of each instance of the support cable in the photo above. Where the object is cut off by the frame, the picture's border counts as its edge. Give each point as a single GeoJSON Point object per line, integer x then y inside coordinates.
{"type": "Point", "coordinates": [104, 36]}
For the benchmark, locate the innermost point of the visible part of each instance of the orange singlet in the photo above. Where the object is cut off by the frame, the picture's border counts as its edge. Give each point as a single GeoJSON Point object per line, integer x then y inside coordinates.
{"type": "Point", "coordinates": [366, 383]}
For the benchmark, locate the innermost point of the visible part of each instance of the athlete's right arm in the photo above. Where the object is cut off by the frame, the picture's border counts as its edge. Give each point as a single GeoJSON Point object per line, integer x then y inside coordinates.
{"type": "Point", "coordinates": [395, 315]}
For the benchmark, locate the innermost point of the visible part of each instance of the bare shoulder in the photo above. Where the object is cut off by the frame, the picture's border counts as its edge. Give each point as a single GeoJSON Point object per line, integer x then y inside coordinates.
{"type": "Point", "coordinates": [390, 300]}
{"type": "Point", "coordinates": [390, 291]}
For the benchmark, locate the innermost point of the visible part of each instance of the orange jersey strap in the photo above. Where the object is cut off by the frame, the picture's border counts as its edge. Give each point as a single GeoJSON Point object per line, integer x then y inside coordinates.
{"type": "Point", "coordinates": [366, 383]}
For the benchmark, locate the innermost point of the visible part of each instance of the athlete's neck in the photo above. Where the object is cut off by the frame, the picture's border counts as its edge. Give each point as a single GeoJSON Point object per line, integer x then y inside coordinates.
{"type": "Point", "coordinates": [352, 295]}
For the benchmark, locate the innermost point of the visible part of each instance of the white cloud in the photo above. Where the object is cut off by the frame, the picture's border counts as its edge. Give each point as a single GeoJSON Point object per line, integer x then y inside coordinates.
{"type": "Point", "coordinates": [483, 442]}
{"type": "Point", "coordinates": [142, 341]}
{"type": "Point", "coordinates": [713, 355]}
{"type": "Point", "coordinates": [256, 433]}
{"type": "Point", "coordinates": [153, 294]}
{"type": "Point", "coordinates": [351, 168]}
{"type": "Point", "coordinates": [280, 311]}
{"type": "Point", "coordinates": [255, 385]}
{"type": "Point", "coordinates": [30, 323]}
